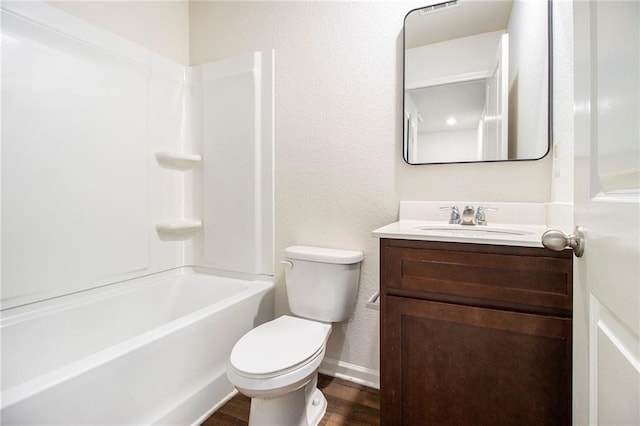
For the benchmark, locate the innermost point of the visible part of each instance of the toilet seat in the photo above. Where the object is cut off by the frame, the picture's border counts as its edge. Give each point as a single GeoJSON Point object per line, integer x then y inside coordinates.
{"type": "Point", "coordinates": [277, 356]}
{"type": "Point", "coordinates": [278, 346]}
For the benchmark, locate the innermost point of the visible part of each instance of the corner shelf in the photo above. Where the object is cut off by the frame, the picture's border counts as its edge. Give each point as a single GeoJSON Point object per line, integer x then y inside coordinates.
{"type": "Point", "coordinates": [179, 227]}
{"type": "Point", "coordinates": [178, 160]}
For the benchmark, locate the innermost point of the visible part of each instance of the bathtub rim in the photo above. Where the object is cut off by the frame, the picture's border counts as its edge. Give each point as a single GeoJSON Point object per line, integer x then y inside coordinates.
{"type": "Point", "coordinates": [256, 284]}
{"type": "Point", "coordinates": [53, 304]}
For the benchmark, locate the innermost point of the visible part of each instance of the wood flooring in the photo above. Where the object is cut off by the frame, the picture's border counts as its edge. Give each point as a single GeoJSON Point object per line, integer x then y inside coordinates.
{"type": "Point", "coordinates": [349, 404]}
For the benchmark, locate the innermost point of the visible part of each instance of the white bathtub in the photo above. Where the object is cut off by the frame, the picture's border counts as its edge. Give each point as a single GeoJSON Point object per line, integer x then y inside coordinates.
{"type": "Point", "coordinates": [147, 351]}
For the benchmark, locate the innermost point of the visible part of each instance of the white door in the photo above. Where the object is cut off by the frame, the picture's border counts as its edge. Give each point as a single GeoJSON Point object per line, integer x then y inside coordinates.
{"type": "Point", "coordinates": [607, 206]}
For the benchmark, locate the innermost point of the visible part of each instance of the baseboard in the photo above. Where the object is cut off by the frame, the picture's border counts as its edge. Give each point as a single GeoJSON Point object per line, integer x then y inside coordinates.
{"type": "Point", "coordinates": [353, 373]}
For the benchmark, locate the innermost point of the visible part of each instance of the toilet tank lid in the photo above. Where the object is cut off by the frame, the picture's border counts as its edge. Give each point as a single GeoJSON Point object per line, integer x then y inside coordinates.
{"type": "Point", "coordinates": [321, 254]}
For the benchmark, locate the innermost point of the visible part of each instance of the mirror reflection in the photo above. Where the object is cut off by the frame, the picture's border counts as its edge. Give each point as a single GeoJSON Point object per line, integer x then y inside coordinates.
{"type": "Point", "coordinates": [476, 81]}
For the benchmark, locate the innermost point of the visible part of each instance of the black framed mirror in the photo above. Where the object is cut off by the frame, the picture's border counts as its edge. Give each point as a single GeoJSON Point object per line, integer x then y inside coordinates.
{"type": "Point", "coordinates": [476, 83]}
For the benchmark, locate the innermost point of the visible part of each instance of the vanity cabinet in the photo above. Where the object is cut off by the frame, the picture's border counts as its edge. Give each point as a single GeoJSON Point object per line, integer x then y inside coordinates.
{"type": "Point", "coordinates": [474, 334]}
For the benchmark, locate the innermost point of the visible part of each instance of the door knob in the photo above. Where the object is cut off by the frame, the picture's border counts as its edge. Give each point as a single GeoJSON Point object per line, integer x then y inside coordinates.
{"type": "Point", "coordinates": [557, 240]}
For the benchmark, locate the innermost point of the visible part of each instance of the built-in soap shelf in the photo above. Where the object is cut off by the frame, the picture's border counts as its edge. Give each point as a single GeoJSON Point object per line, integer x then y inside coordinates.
{"type": "Point", "coordinates": [179, 227]}
{"type": "Point", "coordinates": [178, 160]}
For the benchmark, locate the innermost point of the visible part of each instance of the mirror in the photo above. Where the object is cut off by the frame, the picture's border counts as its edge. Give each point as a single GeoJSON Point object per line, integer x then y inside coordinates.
{"type": "Point", "coordinates": [476, 81]}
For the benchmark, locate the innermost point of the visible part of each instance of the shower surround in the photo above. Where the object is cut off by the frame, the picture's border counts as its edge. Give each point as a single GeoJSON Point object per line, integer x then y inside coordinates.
{"type": "Point", "coordinates": [119, 165]}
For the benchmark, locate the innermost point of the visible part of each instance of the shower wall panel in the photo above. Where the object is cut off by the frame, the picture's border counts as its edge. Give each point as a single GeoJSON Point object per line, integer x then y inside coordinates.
{"type": "Point", "coordinates": [237, 151]}
{"type": "Point", "coordinates": [84, 113]}
{"type": "Point", "coordinates": [76, 119]}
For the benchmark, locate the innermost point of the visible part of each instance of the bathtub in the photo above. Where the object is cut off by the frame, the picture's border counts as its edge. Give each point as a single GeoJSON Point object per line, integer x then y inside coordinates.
{"type": "Point", "coordinates": [148, 351]}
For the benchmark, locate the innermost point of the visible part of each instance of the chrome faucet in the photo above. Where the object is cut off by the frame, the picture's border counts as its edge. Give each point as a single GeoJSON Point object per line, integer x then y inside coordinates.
{"type": "Point", "coordinates": [468, 216]}
{"type": "Point", "coordinates": [481, 219]}
{"type": "Point", "coordinates": [455, 214]}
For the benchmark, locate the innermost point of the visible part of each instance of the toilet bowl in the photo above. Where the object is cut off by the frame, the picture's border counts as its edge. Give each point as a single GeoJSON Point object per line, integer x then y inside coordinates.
{"type": "Point", "coordinates": [276, 364]}
{"type": "Point", "coordinates": [278, 357]}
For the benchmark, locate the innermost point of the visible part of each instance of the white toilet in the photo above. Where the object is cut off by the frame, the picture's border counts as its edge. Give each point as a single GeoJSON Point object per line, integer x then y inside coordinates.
{"type": "Point", "coordinates": [276, 364]}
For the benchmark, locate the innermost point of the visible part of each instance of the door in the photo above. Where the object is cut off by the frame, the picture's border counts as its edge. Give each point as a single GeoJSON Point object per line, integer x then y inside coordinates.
{"type": "Point", "coordinates": [607, 192]}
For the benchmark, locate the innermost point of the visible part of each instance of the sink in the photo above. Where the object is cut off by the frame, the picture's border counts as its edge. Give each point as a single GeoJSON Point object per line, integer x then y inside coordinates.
{"type": "Point", "coordinates": [473, 230]}
{"type": "Point", "coordinates": [500, 234]}
{"type": "Point", "coordinates": [513, 224]}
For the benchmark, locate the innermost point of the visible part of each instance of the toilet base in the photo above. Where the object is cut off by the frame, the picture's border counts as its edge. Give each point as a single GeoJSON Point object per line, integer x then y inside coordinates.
{"type": "Point", "coordinates": [305, 406]}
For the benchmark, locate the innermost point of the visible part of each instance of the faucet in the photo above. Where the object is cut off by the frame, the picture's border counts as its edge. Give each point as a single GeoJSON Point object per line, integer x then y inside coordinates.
{"type": "Point", "coordinates": [455, 214]}
{"type": "Point", "coordinates": [481, 219]}
{"type": "Point", "coordinates": [468, 216]}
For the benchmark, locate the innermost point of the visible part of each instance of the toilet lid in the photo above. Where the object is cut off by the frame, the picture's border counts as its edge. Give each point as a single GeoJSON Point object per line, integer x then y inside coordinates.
{"type": "Point", "coordinates": [278, 345]}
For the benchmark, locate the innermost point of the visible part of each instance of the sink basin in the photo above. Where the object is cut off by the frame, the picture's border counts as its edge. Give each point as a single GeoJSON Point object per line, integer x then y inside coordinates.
{"type": "Point", "coordinates": [500, 234]}
{"type": "Point", "coordinates": [514, 224]}
{"type": "Point", "coordinates": [473, 230]}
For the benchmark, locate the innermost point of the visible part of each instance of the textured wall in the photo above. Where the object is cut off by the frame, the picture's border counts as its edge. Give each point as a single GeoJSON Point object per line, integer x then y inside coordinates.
{"type": "Point", "coordinates": [562, 185]}
{"type": "Point", "coordinates": [339, 172]}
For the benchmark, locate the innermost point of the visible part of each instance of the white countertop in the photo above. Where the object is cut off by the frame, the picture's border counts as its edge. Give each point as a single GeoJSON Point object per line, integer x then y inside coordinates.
{"type": "Point", "coordinates": [526, 220]}
{"type": "Point", "coordinates": [480, 234]}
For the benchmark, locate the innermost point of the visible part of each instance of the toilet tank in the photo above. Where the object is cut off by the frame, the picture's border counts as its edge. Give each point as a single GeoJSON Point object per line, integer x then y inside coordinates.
{"type": "Point", "coordinates": [322, 283]}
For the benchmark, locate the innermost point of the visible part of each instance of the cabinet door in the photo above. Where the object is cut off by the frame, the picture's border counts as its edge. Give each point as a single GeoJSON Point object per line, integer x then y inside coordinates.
{"type": "Point", "coordinates": [445, 364]}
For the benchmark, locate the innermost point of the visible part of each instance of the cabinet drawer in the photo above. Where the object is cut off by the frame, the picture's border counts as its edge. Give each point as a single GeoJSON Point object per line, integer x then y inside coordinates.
{"type": "Point", "coordinates": [500, 276]}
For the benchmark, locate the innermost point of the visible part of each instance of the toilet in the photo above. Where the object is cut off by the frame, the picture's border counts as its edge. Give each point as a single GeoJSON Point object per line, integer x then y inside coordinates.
{"type": "Point", "coordinates": [276, 364]}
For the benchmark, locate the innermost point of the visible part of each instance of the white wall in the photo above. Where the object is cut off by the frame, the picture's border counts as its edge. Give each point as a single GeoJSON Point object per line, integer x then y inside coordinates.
{"type": "Point", "coordinates": [562, 154]}
{"type": "Point", "coordinates": [560, 213]}
{"type": "Point", "coordinates": [162, 26]}
{"type": "Point", "coordinates": [439, 63]}
{"type": "Point", "coordinates": [339, 171]}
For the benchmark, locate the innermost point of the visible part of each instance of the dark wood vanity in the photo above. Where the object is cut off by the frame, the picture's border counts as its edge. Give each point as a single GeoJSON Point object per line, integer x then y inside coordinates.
{"type": "Point", "coordinates": [474, 334]}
